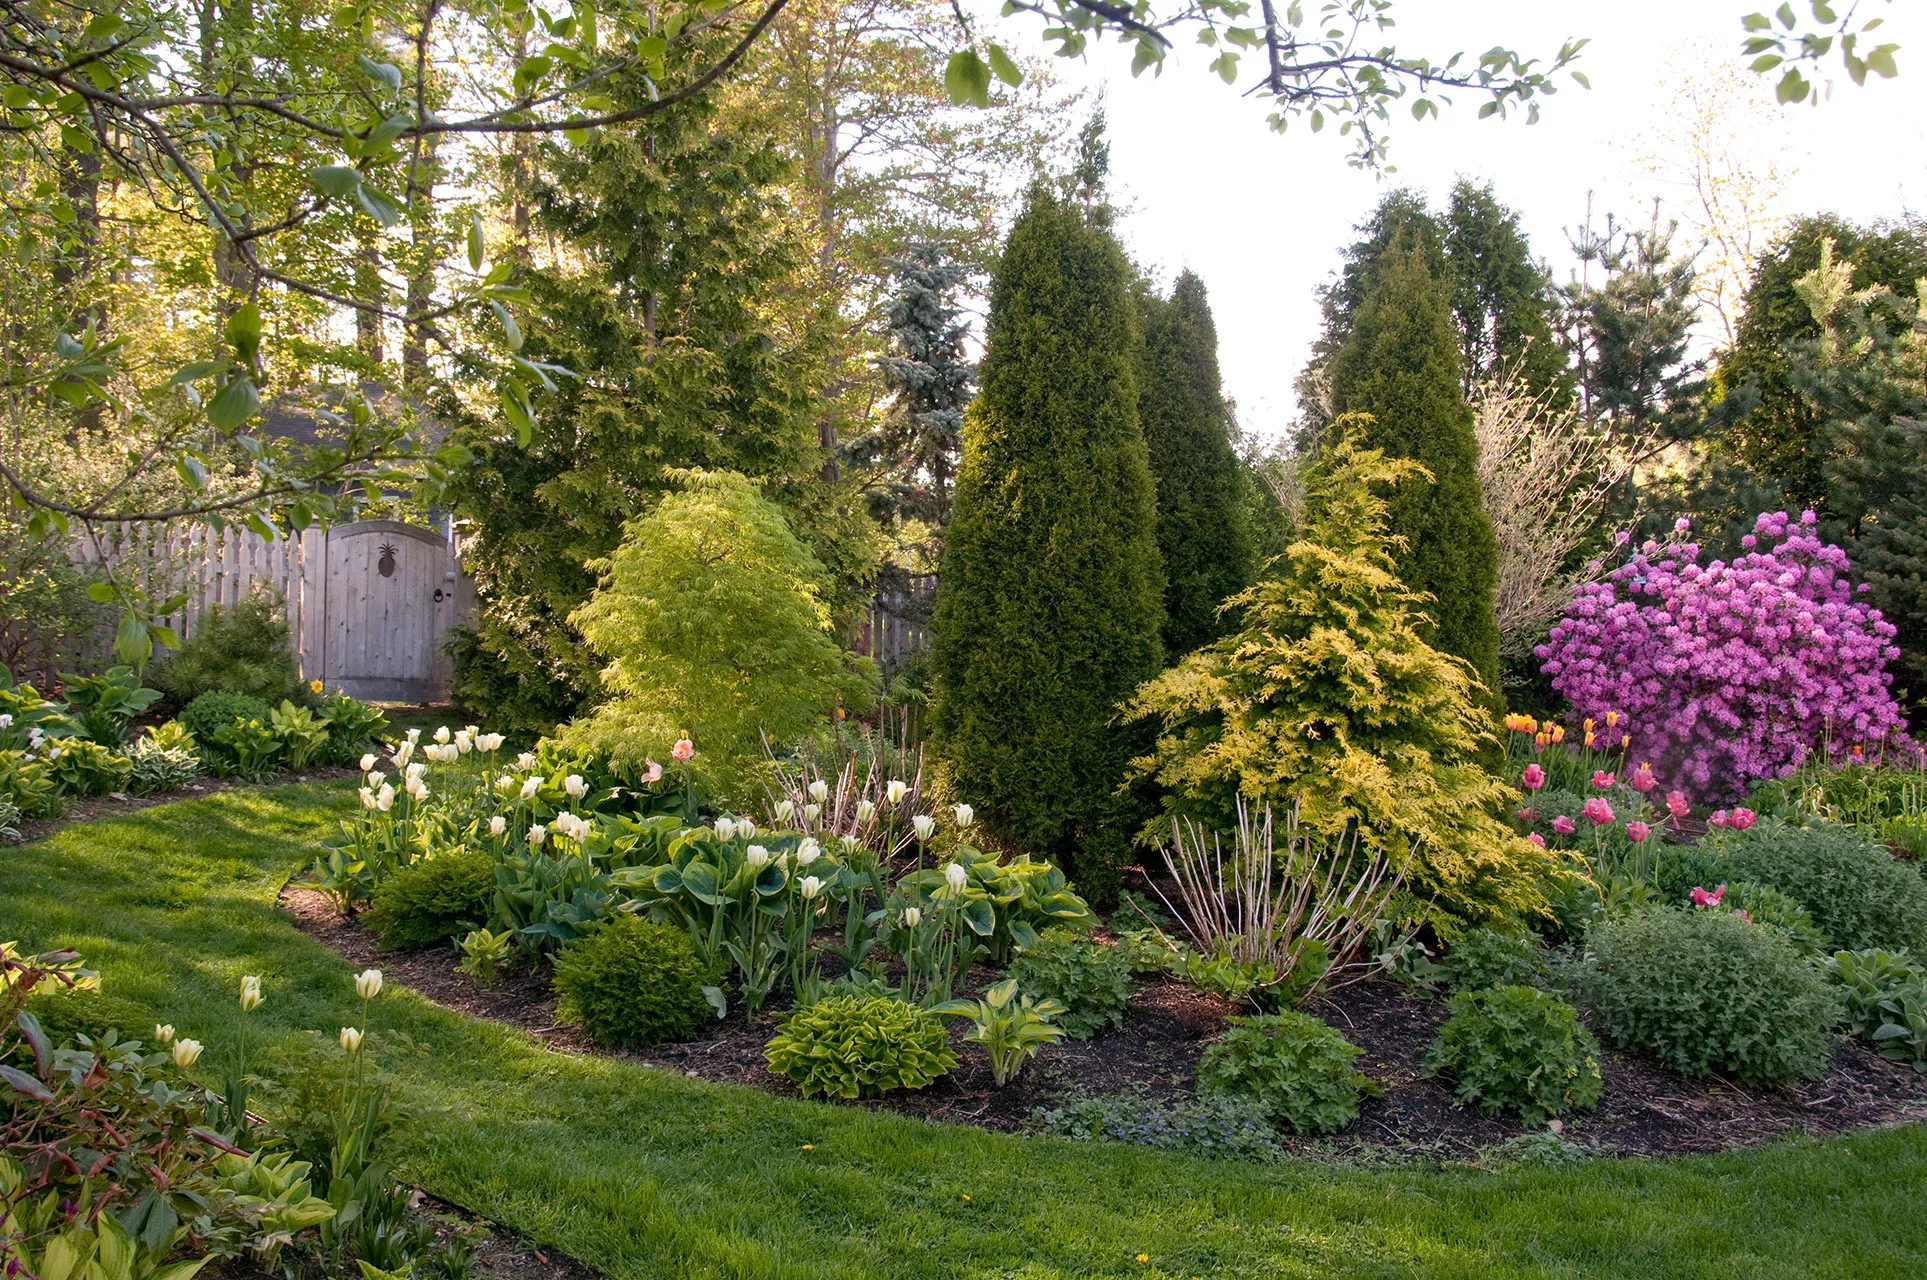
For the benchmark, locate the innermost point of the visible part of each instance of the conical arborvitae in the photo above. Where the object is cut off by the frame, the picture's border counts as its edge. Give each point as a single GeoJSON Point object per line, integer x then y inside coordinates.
{"type": "Point", "coordinates": [1400, 364]}
{"type": "Point", "coordinates": [1204, 538]}
{"type": "Point", "coordinates": [1050, 601]}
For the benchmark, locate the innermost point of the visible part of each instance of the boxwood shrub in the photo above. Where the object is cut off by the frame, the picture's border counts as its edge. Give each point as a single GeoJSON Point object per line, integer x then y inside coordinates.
{"type": "Point", "coordinates": [430, 900]}
{"type": "Point", "coordinates": [1704, 992]}
{"type": "Point", "coordinates": [1517, 1049]}
{"type": "Point", "coordinates": [632, 983]}
{"type": "Point", "coordinates": [860, 1047]}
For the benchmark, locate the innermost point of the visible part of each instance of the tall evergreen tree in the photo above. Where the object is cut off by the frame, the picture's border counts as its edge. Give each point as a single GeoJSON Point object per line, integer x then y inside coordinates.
{"type": "Point", "coordinates": [1400, 364]}
{"type": "Point", "coordinates": [674, 230]}
{"type": "Point", "coordinates": [1204, 534]}
{"type": "Point", "coordinates": [911, 456]}
{"type": "Point", "coordinates": [1502, 301]}
{"type": "Point", "coordinates": [1050, 601]}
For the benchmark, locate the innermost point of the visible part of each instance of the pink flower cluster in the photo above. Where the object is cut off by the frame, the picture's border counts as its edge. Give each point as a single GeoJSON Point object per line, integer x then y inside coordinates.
{"type": "Point", "coordinates": [1734, 671]}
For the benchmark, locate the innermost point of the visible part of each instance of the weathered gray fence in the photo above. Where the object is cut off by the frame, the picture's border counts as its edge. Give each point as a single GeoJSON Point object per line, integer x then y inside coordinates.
{"type": "Point", "coordinates": [898, 623]}
{"type": "Point", "coordinates": [370, 604]}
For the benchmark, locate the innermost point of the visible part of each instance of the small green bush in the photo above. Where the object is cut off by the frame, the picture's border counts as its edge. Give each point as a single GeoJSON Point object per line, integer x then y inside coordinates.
{"type": "Point", "coordinates": [241, 648]}
{"type": "Point", "coordinates": [28, 784]}
{"type": "Point", "coordinates": [158, 768]}
{"type": "Point", "coordinates": [1487, 958]}
{"type": "Point", "coordinates": [1763, 904]}
{"type": "Point", "coordinates": [1852, 887]}
{"type": "Point", "coordinates": [430, 900]}
{"type": "Point", "coordinates": [212, 712]}
{"type": "Point", "coordinates": [1517, 1049]}
{"type": "Point", "coordinates": [1091, 981]}
{"type": "Point", "coordinates": [1297, 1067]}
{"type": "Point", "coordinates": [353, 727]}
{"type": "Point", "coordinates": [850, 1047]}
{"type": "Point", "coordinates": [1216, 1125]}
{"type": "Point", "coordinates": [632, 983]}
{"type": "Point", "coordinates": [82, 768]}
{"type": "Point", "coordinates": [1702, 991]}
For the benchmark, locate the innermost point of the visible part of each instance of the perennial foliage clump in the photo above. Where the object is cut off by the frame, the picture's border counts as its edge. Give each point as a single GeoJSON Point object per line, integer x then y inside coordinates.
{"type": "Point", "coordinates": [632, 983]}
{"type": "Point", "coordinates": [1856, 892]}
{"type": "Point", "coordinates": [1517, 1049]}
{"type": "Point", "coordinates": [1328, 699]}
{"type": "Point", "coordinates": [1297, 1067]}
{"type": "Point", "coordinates": [856, 1047]}
{"type": "Point", "coordinates": [1092, 982]}
{"type": "Point", "coordinates": [1704, 992]}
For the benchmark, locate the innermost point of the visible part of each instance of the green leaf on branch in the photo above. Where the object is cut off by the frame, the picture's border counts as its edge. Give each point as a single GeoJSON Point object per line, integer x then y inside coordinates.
{"type": "Point", "coordinates": [966, 78]}
{"type": "Point", "coordinates": [244, 333]}
{"type": "Point", "coordinates": [1005, 68]}
{"type": "Point", "coordinates": [477, 242]}
{"type": "Point", "coordinates": [380, 72]}
{"type": "Point", "coordinates": [336, 181]}
{"type": "Point", "coordinates": [379, 204]}
{"type": "Point", "coordinates": [235, 404]}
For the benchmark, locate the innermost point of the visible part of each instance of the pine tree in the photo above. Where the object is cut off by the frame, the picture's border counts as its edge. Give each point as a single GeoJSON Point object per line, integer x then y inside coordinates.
{"type": "Point", "coordinates": [1400, 365]}
{"type": "Point", "coordinates": [911, 457]}
{"type": "Point", "coordinates": [674, 230]}
{"type": "Point", "coordinates": [1204, 535]}
{"type": "Point", "coordinates": [1050, 600]}
{"type": "Point", "coordinates": [1328, 698]}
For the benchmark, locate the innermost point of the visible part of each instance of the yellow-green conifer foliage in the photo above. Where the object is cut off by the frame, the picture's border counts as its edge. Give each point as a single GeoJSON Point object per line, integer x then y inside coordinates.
{"type": "Point", "coordinates": [1328, 697]}
{"type": "Point", "coordinates": [1050, 600]}
{"type": "Point", "coordinates": [712, 620]}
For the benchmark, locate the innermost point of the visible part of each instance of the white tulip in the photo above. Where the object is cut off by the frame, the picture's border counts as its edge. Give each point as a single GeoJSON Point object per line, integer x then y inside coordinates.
{"type": "Point", "coordinates": [725, 829]}
{"type": "Point", "coordinates": [786, 811]}
{"type": "Point", "coordinates": [250, 994]}
{"type": "Point", "coordinates": [912, 917]}
{"type": "Point", "coordinates": [367, 798]}
{"type": "Point", "coordinates": [385, 798]}
{"type": "Point", "coordinates": [6, 720]}
{"type": "Point", "coordinates": [530, 787]}
{"type": "Point", "coordinates": [956, 877]}
{"type": "Point", "coordinates": [417, 790]}
{"type": "Point", "coordinates": [497, 825]}
{"type": "Point", "coordinates": [368, 984]}
{"type": "Point", "coordinates": [415, 770]}
{"type": "Point", "coordinates": [896, 791]}
{"type": "Point", "coordinates": [811, 812]}
{"type": "Point", "coordinates": [350, 1040]}
{"type": "Point", "coordinates": [414, 736]}
{"type": "Point", "coordinates": [537, 834]}
{"type": "Point", "coordinates": [463, 743]}
{"type": "Point", "coordinates": [525, 761]}
{"type": "Point", "coordinates": [924, 825]}
{"type": "Point", "coordinates": [865, 810]}
{"type": "Point", "coordinates": [376, 778]}
{"type": "Point", "coordinates": [966, 817]}
{"type": "Point", "coordinates": [471, 730]}
{"type": "Point", "coordinates": [819, 791]}
{"type": "Point", "coordinates": [441, 734]}
{"type": "Point", "coordinates": [810, 886]}
{"type": "Point", "coordinates": [505, 783]}
{"type": "Point", "coordinates": [369, 761]}
{"type": "Point", "coordinates": [186, 1052]}
{"type": "Point", "coordinates": [163, 1031]}
{"type": "Point", "coordinates": [757, 857]}
{"type": "Point", "coordinates": [745, 828]}
{"type": "Point", "coordinates": [807, 852]}
{"type": "Point", "coordinates": [575, 786]}
{"type": "Point", "coordinates": [403, 754]}
{"type": "Point", "coordinates": [488, 741]}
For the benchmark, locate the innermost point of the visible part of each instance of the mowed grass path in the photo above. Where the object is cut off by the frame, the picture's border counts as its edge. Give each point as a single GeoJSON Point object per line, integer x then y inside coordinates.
{"type": "Point", "coordinates": [643, 1173]}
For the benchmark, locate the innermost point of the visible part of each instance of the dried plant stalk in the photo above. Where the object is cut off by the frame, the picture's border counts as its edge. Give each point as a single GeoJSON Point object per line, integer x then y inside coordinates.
{"type": "Point", "coordinates": [887, 832]}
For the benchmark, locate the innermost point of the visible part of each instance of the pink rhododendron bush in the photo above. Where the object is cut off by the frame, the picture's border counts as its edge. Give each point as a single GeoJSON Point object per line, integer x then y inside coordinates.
{"type": "Point", "coordinates": [1729, 672]}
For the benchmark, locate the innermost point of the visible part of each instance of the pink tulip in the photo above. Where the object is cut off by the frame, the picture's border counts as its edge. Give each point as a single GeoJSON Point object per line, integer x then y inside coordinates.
{"type": "Point", "coordinates": [1536, 838]}
{"type": "Point", "coordinates": [1718, 819]}
{"type": "Point", "coordinates": [1643, 779]}
{"type": "Point", "coordinates": [1743, 818]}
{"type": "Point", "coordinates": [654, 774]}
{"type": "Point", "coordinates": [1602, 779]}
{"type": "Point", "coordinates": [1599, 811]}
{"type": "Point", "coordinates": [1534, 777]}
{"type": "Point", "coordinates": [1563, 825]}
{"type": "Point", "coordinates": [1701, 898]}
{"type": "Point", "coordinates": [1676, 804]}
{"type": "Point", "coordinates": [683, 750]}
{"type": "Point", "coordinates": [1637, 832]}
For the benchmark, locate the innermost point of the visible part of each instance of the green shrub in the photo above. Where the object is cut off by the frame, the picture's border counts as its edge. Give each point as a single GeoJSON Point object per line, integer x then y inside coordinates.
{"type": "Point", "coordinates": [848, 1047]}
{"type": "Point", "coordinates": [82, 768]}
{"type": "Point", "coordinates": [10, 817]}
{"type": "Point", "coordinates": [353, 727]}
{"type": "Point", "coordinates": [1297, 1067]}
{"type": "Point", "coordinates": [28, 784]}
{"type": "Point", "coordinates": [632, 983]}
{"type": "Point", "coordinates": [1487, 958]}
{"type": "Point", "coordinates": [248, 748]}
{"type": "Point", "coordinates": [430, 900]}
{"type": "Point", "coordinates": [240, 648]}
{"type": "Point", "coordinates": [1704, 992]}
{"type": "Point", "coordinates": [1517, 1049]}
{"type": "Point", "coordinates": [158, 768]}
{"type": "Point", "coordinates": [104, 705]}
{"type": "Point", "coordinates": [1852, 887]}
{"type": "Point", "coordinates": [1902, 1034]}
{"type": "Point", "coordinates": [1686, 867]}
{"type": "Point", "coordinates": [1864, 979]}
{"type": "Point", "coordinates": [214, 711]}
{"type": "Point", "coordinates": [1091, 981]}
{"type": "Point", "coordinates": [1763, 904]}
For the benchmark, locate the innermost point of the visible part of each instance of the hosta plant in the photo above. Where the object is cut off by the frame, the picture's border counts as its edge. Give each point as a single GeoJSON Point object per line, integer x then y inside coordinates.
{"type": "Point", "coordinates": [83, 768]}
{"type": "Point", "coordinates": [1902, 1034]}
{"type": "Point", "coordinates": [1865, 978]}
{"type": "Point", "coordinates": [483, 954]}
{"type": "Point", "coordinates": [104, 705]}
{"type": "Point", "coordinates": [250, 747]}
{"type": "Point", "coordinates": [1299, 1069]}
{"type": "Point", "coordinates": [300, 730]}
{"type": "Point", "coordinates": [1517, 1049]}
{"type": "Point", "coordinates": [1012, 1028]}
{"type": "Point", "coordinates": [850, 1047]}
{"type": "Point", "coordinates": [157, 768]}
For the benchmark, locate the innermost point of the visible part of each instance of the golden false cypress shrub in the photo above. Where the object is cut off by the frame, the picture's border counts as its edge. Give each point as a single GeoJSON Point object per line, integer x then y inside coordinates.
{"type": "Point", "coordinates": [1328, 698]}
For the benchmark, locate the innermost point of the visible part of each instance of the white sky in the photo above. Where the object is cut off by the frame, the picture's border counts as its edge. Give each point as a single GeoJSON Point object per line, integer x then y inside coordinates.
{"type": "Point", "coordinates": [1262, 216]}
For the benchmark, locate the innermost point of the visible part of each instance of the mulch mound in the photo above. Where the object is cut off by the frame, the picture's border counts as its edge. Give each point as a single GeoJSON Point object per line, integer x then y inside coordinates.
{"type": "Point", "coordinates": [1646, 1110]}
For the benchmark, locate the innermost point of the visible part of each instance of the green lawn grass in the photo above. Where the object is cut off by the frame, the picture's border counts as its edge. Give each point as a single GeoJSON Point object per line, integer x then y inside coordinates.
{"type": "Point", "coordinates": [640, 1172]}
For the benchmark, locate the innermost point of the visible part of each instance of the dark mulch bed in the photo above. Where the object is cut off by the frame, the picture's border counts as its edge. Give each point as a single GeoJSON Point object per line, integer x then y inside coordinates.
{"type": "Point", "coordinates": [1646, 1109]}
{"type": "Point", "coordinates": [87, 808]}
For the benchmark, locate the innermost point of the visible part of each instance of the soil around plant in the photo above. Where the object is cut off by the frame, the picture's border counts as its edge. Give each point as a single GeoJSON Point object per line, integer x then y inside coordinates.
{"type": "Point", "coordinates": [1646, 1110]}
